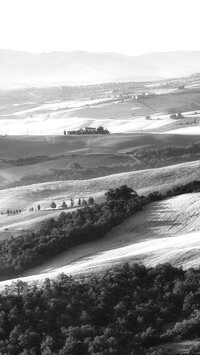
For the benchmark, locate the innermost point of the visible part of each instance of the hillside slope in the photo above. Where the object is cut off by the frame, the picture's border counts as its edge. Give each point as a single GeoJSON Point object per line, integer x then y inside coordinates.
{"type": "Point", "coordinates": [28, 197]}
{"type": "Point", "coordinates": [144, 181]}
{"type": "Point", "coordinates": [165, 231]}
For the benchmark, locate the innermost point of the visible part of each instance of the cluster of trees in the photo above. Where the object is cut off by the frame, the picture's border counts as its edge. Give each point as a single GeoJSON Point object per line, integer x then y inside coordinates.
{"type": "Point", "coordinates": [176, 116]}
{"type": "Point", "coordinates": [89, 130]}
{"type": "Point", "coordinates": [128, 310]}
{"type": "Point", "coordinates": [158, 154]}
{"type": "Point", "coordinates": [84, 202]}
{"type": "Point", "coordinates": [54, 236]}
{"type": "Point", "coordinates": [38, 208]}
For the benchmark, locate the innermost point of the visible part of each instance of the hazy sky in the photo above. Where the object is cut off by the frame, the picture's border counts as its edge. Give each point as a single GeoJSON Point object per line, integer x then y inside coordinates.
{"type": "Point", "coordinates": [124, 26]}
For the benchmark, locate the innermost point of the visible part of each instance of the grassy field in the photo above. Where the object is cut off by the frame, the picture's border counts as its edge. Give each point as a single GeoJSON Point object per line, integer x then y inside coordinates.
{"type": "Point", "coordinates": [49, 158]}
{"type": "Point", "coordinates": [145, 236]}
{"type": "Point", "coordinates": [144, 181]}
{"type": "Point", "coordinates": [184, 100]}
{"type": "Point", "coordinates": [14, 225]}
{"type": "Point", "coordinates": [43, 157]}
{"type": "Point", "coordinates": [114, 110]}
{"type": "Point", "coordinates": [121, 113]}
{"type": "Point", "coordinates": [12, 147]}
{"type": "Point", "coordinates": [42, 167]}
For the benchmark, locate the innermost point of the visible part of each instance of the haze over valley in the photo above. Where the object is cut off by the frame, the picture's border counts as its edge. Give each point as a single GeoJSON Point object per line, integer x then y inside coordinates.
{"type": "Point", "coordinates": [20, 69]}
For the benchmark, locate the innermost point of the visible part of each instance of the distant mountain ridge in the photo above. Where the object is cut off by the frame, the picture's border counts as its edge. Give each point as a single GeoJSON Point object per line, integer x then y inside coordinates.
{"type": "Point", "coordinates": [23, 69]}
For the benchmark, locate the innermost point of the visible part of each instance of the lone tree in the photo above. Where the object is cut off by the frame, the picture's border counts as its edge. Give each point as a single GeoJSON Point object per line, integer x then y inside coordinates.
{"type": "Point", "coordinates": [65, 132]}
{"type": "Point", "coordinates": [53, 205]}
{"type": "Point", "coordinates": [91, 201]}
{"type": "Point", "coordinates": [79, 202]}
{"type": "Point", "coordinates": [64, 205]}
{"type": "Point", "coordinates": [72, 202]}
{"type": "Point", "coordinates": [84, 202]}
{"type": "Point", "coordinates": [179, 116]}
{"type": "Point", "coordinates": [38, 207]}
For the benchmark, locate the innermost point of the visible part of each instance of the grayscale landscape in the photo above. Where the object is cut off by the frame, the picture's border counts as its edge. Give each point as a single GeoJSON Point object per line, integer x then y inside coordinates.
{"type": "Point", "coordinates": [99, 178]}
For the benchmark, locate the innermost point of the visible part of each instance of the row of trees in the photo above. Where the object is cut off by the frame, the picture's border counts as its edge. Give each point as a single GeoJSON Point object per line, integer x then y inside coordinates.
{"type": "Point", "coordinates": [38, 208]}
{"type": "Point", "coordinates": [128, 310]}
{"type": "Point", "coordinates": [81, 202]}
{"type": "Point", "coordinates": [10, 212]}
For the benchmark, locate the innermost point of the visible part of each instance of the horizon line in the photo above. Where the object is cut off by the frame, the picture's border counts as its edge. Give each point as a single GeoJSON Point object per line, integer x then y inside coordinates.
{"type": "Point", "coordinates": [100, 52]}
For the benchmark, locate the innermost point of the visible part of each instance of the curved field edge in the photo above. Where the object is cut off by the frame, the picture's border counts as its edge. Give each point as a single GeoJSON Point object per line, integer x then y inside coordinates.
{"type": "Point", "coordinates": [167, 231]}
{"type": "Point", "coordinates": [144, 181]}
{"type": "Point", "coordinates": [172, 225]}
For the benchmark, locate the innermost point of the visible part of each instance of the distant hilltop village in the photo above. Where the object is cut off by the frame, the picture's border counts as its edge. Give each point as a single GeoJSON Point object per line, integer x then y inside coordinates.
{"type": "Point", "coordinates": [89, 130]}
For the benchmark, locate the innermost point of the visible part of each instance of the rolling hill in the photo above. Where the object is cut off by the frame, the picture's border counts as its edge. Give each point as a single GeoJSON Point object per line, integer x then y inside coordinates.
{"type": "Point", "coordinates": [166, 230]}
{"type": "Point", "coordinates": [26, 197]}
{"type": "Point", "coordinates": [23, 69]}
{"type": "Point", "coordinates": [26, 160]}
{"type": "Point", "coordinates": [170, 226]}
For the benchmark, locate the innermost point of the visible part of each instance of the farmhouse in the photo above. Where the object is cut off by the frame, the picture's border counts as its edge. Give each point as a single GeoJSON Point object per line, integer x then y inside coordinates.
{"type": "Point", "coordinates": [90, 130]}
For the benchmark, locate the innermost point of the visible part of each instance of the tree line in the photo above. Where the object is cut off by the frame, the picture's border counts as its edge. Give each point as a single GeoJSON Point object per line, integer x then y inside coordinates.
{"type": "Point", "coordinates": [155, 155]}
{"type": "Point", "coordinates": [9, 212]}
{"type": "Point", "coordinates": [80, 202]}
